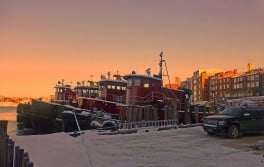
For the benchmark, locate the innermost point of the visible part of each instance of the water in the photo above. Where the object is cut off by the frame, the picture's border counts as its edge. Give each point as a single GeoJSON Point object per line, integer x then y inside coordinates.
{"type": "Point", "coordinates": [9, 113]}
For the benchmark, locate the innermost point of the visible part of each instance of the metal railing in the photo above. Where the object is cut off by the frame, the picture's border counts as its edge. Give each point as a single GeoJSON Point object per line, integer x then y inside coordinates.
{"type": "Point", "coordinates": [148, 124]}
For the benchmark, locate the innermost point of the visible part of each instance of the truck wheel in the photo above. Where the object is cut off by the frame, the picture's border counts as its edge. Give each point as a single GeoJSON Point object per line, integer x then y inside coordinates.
{"type": "Point", "coordinates": [233, 131]}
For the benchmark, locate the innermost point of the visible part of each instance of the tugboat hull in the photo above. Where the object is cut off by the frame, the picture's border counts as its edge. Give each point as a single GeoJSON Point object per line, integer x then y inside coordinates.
{"type": "Point", "coordinates": [44, 117]}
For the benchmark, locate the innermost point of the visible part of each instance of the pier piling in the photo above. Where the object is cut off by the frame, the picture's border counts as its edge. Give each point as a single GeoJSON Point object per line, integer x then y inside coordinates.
{"type": "Point", "coordinates": [11, 155]}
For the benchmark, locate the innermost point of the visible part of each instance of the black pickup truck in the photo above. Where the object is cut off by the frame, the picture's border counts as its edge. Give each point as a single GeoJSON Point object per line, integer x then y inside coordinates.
{"type": "Point", "coordinates": [233, 122]}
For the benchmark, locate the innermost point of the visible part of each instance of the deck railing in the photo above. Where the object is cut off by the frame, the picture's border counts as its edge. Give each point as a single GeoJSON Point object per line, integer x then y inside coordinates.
{"type": "Point", "coordinates": [11, 155]}
{"type": "Point", "coordinates": [154, 96]}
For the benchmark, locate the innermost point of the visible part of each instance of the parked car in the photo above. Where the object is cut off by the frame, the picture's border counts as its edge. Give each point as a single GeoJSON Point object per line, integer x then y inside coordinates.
{"type": "Point", "coordinates": [235, 121]}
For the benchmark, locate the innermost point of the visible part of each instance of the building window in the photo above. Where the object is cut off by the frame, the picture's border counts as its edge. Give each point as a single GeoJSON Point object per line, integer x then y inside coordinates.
{"type": "Point", "coordinates": [248, 78]}
{"type": "Point", "coordinates": [248, 85]}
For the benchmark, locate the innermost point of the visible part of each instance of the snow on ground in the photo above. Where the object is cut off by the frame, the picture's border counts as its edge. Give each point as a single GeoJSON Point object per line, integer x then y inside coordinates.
{"type": "Point", "coordinates": [180, 147]}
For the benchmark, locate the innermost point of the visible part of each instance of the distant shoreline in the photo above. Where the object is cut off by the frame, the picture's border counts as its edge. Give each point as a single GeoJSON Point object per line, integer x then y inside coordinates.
{"type": "Point", "coordinates": [8, 105]}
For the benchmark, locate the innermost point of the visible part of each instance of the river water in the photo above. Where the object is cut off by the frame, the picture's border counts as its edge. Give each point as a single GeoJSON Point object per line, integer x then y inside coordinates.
{"type": "Point", "coordinates": [9, 113]}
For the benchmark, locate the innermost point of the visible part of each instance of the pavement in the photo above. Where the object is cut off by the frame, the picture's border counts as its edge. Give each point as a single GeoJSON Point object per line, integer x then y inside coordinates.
{"type": "Point", "coordinates": [183, 147]}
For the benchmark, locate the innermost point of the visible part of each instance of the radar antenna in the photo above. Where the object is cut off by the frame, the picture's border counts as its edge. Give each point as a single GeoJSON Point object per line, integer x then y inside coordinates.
{"type": "Point", "coordinates": [108, 75]}
{"type": "Point", "coordinates": [148, 71]}
{"type": "Point", "coordinates": [118, 76]}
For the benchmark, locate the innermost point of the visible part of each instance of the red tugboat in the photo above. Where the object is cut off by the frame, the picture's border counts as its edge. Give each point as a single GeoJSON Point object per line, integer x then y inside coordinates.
{"type": "Point", "coordinates": [111, 95]}
{"type": "Point", "coordinates": [147, 90]}
{"type": "Point", "coordinates": [90, 90]}
{"type": "Point", "coordinates": [63, 93]}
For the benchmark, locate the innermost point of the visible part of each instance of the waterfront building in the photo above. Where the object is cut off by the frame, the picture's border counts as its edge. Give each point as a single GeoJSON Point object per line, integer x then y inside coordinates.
{"type": "Point", "coordinates": [186, 84]}
{"type": "Point", "coordinates": [248, 84]}
{"type": "Point", "coordinates": [199, 85]}
{"type": "Point", "coordinates": [219, 84]}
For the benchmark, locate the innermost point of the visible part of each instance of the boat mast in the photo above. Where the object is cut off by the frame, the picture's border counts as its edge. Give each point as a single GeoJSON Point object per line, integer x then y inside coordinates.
{"type": "Point", "coordinates": [160, 64]}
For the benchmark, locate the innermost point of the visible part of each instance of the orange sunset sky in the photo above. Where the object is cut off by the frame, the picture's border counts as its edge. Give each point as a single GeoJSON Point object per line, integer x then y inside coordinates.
{"type": "Point", "coordinates": [44, 41]}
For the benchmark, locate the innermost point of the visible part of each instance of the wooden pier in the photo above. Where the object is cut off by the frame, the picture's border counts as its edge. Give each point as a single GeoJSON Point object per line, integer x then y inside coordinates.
{"type": "Point", "coordinates": [10, 154]}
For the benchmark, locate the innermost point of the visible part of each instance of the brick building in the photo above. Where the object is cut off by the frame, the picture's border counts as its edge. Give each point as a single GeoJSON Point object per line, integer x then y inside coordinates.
{"type": "Point", "coordinates": [219, 84]}
{"type": "Point", "coordinates": [248, 84]}
{"type": "Point", "coordinates": [199, 85]}
{"type": "Point", "coordinates": [208, 85]}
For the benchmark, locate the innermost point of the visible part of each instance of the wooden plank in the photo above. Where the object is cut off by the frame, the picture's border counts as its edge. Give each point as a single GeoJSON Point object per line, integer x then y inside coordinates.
{"type": "Point", "coordinates": [20, 157]}
{"type": "Point", "coordinates": [1, 147]}
{"type": "Point", "coordinates": [3, 125]}
{"type": "Point", "coordinates": [5, 149]}
{"type": "Point", "coordinates": [10, 153]}
{"type": "Point", "coordinates": [25, 159]}
{"type": "Point", "coordinates": [16, 161]}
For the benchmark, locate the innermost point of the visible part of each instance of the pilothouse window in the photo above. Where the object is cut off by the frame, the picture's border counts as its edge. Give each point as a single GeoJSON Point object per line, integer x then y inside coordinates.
{"type": "Point", "coordinates": [137, 82]}
{"type": "Point", "coordinates": [129, 82]}
{"type": "Point", "coordinates": [146, 83]}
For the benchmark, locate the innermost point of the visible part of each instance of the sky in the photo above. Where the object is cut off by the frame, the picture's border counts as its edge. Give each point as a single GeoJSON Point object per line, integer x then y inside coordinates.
{"type": "Point", "coordinates": [44, 41]}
